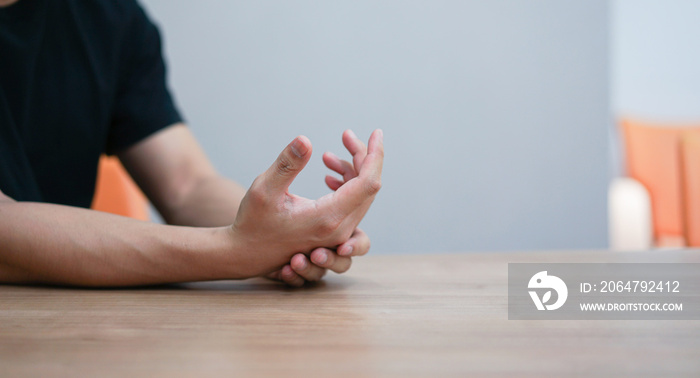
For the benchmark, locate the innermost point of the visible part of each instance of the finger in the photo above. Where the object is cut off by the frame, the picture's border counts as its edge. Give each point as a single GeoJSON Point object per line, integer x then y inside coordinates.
{"type": "Point", "coordinates": [328, 259]}
{"type": "Point", "coordinates": [357, 245]}
{"type": "Point", "coordinates": [288, 276]}
{"type": "Point", "coordinates": [333, 162]}
{"type": "Point", "coordinates": [275, 276]}
{"type": "Point", "coordinates": [289, 163]}
{"type": "Point", "coordinates": [365, 186]}
{"type": "Point", "coordinates": [356, 148]}
{"type": "Point", "coordinates": [342, 167]}
{"type": "Point", "coordinates": [305, 269]}
{"type": "Point", "coordinates": [333, 182]}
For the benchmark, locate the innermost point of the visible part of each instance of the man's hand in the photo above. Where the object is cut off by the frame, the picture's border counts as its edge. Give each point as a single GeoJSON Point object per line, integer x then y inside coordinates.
{"type": "Point", "coordinates": [301, 268]}
{"type": "Point", "coordinates": [273, 226]}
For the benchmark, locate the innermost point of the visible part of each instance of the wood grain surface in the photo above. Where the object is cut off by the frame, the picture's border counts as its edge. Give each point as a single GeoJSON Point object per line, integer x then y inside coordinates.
{"type": "Point", "coordinates": [399, 315]}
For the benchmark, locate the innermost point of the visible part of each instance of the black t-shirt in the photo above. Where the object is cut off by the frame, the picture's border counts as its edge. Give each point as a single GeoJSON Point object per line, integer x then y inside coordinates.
{"type": "Point", "coordinates": [78, 78]}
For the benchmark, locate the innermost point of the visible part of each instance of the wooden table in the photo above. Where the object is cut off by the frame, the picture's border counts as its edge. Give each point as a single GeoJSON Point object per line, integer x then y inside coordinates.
{"type": "Point", "coordinates": [408, 315]}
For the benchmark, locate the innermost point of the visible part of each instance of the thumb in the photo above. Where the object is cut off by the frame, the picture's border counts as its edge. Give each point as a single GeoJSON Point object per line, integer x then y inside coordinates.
{"type": "Point", "coordinates": [289, 163]}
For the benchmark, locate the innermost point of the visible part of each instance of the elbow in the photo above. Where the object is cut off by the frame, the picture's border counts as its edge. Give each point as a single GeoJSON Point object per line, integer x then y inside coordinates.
{"type": "Point", "coordinates": [4, 198]}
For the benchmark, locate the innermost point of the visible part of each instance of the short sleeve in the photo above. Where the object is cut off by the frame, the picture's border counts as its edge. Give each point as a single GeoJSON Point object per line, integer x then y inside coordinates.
{"type": "Point", "coordinates": [143, 104]}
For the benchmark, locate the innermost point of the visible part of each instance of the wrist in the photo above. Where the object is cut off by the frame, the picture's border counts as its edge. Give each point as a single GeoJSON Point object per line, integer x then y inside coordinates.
{"type": "Point", "coordinates": [200, 254]}
{"type": "Point", "coordinates": [228, 260]}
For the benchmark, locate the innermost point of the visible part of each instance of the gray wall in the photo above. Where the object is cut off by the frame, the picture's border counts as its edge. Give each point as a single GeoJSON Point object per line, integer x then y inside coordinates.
{"type": "Point", "coordinates": [494, 112]}
{"type": "Point", "coordinates": [655, 59]}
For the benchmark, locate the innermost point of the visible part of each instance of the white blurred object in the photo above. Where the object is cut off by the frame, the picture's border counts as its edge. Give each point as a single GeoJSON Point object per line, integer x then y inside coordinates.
{"type": "Point", "coordinates": [629, 213]}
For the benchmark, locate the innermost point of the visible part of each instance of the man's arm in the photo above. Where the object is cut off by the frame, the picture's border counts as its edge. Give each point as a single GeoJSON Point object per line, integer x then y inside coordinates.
{"type": "Point", "coordinates": [178, 178]}
{"type": "Point", "coordinates": [59, 244]}
{"type": "Point", "coordinates": [45, 243]}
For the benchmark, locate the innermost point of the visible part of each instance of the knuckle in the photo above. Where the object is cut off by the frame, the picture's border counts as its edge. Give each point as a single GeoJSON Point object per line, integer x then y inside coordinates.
{"type": "Point", "coordinates": [256, 193]}
{"type": "Point", "coordinates": [285, 165]}
{"type": "Point", "coordinates": [365, 247]}
{"type": "Point", "coordinates": [372, 186]}
{"type": "Point", "coordinates": [327, 226]}
{"type": "Point", "coordinates": [340, 235]}
{"type": "Point", "coordinates": [345, 267]}
{"type": "Point", "coordinates": [317, 275]}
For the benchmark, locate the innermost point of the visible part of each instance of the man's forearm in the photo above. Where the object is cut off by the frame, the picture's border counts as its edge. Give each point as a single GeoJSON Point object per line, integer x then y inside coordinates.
{"type": "Point", "coordinates": [46, 243]}
{"type": "Point", "coordinates": [212, 202]}
{"type": "Point", "coordinates": [172, 169]}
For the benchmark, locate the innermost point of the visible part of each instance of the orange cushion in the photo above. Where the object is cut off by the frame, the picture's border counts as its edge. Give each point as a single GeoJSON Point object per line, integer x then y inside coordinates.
{"type": "Point", "coordinates": [117, 193]}
{"type": "Point", "coordinates": [653, 154]}
{"type": "Point", "coordinates": [690, 162]}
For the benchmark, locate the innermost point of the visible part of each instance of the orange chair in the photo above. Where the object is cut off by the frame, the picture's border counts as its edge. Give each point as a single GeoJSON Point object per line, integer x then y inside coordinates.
{"type": "Point", "coordinates": [117, 193]}
{"type": "Point", "coordinates": [659, 157]}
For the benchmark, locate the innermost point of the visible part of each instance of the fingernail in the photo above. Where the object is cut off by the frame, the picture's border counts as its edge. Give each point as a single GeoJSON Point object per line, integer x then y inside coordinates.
{"type": "Point", "coordinates": [346, 251]}
{"type": "Point", "coordinates": [352, 134]}
{"type": "Point", "coordinates": [381, 134]}
{"type": "Point", "coordinates": [321, 258]}
{"type": "Point", "coordinates": [299, 148]}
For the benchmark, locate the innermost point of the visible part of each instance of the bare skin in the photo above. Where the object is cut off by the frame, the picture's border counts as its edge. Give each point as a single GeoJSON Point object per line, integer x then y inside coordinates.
{"type": "Point", "coordinates": [270, 231]}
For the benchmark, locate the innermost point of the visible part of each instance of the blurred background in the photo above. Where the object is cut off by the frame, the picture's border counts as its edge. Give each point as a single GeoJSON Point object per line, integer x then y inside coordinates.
{"type": "Point", "coordinates": [499, 116]}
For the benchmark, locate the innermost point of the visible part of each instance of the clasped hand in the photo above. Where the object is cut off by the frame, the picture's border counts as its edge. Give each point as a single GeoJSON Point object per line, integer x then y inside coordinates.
{"type": "Point", "coordinates": [295, 239]}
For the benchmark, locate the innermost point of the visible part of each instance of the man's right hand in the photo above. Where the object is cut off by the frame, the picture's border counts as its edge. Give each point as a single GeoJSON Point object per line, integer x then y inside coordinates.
{"type": "Point", "coordinates": [273, 225]}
